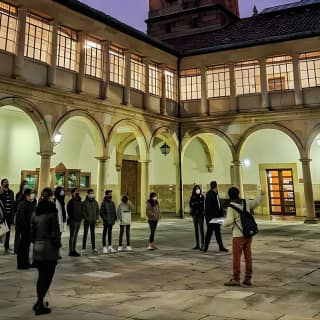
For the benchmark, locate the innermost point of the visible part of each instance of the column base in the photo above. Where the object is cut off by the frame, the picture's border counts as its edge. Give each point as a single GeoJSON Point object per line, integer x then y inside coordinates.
{"type": "Point", "coordinates": [311, 221]}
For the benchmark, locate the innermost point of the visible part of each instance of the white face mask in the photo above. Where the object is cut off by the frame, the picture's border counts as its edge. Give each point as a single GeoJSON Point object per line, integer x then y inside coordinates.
{"type": "Point", "coordinates": [61, 193]}
{"type": "Point", "coordinates": [198, 191]}
{"type": "Point", "coordinates": [154, 198]}
{"type": "Point", "coordinates": [32, 196]}
{"type": "Point", "coordinates": [91, 195]}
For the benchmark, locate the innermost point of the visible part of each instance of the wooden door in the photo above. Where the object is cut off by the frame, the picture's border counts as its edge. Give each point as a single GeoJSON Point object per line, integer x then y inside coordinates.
{"type": "Point", "coordinates": [281, 192]}
{"type": "Point", "coordinates": [129, 179]}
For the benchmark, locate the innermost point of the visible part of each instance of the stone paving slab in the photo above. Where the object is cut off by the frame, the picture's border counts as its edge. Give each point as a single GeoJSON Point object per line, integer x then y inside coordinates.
{"type": "Point", "coordinates": [176, 282]}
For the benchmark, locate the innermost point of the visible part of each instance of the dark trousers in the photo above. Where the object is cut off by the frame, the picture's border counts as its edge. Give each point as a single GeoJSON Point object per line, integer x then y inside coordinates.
{"type": "Point", "coordinates": [46, 271]}
{"type": "Point", "coordinates": [7, 240]}
{"type": "Point", "coordinates": [153, 227]}
{"type": "Point", "coordinates": [107, 229]}
{"type": "Point", "coordinates": [198, 227]}
{"type": "Point", "coordinates": [239, 245]}
{"type": "Point", "coordinates": [216, 228]}
{"type": "Point", "coordinates": [74, 230]}
{"type": "Point", "coordinates": [16, 241]}
{"type": "Point", "coordinates": [85, 235]}
{"type": "Point", "coordinates": [122, 227]}
{"type": "Point", "coordinates": [23, 251]}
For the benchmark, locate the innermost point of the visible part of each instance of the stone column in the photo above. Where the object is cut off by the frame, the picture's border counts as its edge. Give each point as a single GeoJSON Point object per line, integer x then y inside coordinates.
{"type": "Point", "coordinates": [82, 61]}
{"type": "Point", "coordinates": [44, 178]}
{"type": "Point", "coordinates": [264, 84]}
{"type": "Point", "coordinates": [146, 61]}
{"type": "Point", "coordinates": [204, 105]}
{"type": "Point", "coordinates": [52, 70]}
{"type": "Point", "coordinates": [144, 183]}
{"type": "Point", "coordinates": [104, 90]}
{"type": "Point", "coordinates": [233, 93]}
{"type": "Point", "coordinates": [20, 43]}
{"type": "Point", "coordinates": [297, 80]}
{"type": "Point", "coordinates": [101, 176]}
{"type": "Point", "coordinates": [178, 191]}
{"type": "Point", "coordinates": [127, 79]}
{"type": "Point", "coordinates": [237, 176]}
{"type": "Point", "coordinates": [308, 191]}
{"type": "Point", "coordinates": [163, 101]}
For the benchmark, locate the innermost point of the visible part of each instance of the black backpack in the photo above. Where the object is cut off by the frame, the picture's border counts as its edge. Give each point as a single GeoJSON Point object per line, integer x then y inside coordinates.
{"type": "Point", "coordinates": [249, 225]}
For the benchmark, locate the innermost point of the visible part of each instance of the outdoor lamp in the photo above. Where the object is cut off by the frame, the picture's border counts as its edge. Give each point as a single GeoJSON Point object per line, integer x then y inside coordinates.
{"type": "Point", "coordinates": [165, 149]}
{"type": "Point", "coordinates": [57, 138]}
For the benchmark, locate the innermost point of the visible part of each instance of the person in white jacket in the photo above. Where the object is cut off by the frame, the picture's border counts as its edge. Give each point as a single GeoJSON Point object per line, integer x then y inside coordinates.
{"type": "Point", "coordinates": [239, 242]}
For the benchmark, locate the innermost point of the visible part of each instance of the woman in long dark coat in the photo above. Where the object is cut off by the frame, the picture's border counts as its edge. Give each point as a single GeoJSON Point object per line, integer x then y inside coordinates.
{"type": "Point", "coordinates": [25, 209]}
{"type": "Point", "coordinates": [45, 235]}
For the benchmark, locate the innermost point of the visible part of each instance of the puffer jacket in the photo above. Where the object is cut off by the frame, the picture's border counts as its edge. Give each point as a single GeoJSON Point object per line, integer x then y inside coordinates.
{"type": "Point", "coordinates": [153, 211]}
{"type": "Point", "coordinates": [90, 210]}
{"type": "Point", "coordinates": [45, 232]}
{"type": "Point", "coordinates": [108, 211]}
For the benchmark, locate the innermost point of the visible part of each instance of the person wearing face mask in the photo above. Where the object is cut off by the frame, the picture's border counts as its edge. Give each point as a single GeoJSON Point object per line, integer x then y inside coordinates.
{"type": "Point", "coordinates": [153, 215]}
{"type": "Point", "coordinates": [26, 208]}
{"type": "Point", "coordinates": [19, 197]}
{"type": "Point", "coordinates": [74, 210]}
{"type": "Point", "coordinates": [196, 204]}
{"type": "Point", "coordinates": [7, 198]}
{"type": "Point", "coordinates": [90, 212]}
{"type": "Point", "coordinates": [59, 197]}
{"type": "Point", "coordinates": [109, 217]}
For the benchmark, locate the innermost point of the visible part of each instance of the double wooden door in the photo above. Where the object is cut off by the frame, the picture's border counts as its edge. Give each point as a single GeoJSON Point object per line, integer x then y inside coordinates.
{"type": "Point", "coordinates": [281, 192]}
{"type": "Point", "coordinates": [129, 180]}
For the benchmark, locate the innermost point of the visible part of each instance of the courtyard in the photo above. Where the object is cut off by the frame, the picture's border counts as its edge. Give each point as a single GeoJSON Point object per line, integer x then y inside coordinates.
{"type": "Point", "coordinates": [176, 282]}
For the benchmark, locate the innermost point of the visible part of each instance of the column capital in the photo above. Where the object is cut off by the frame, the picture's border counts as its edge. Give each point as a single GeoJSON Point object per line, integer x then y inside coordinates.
{"type": "Point", "coordinates": [46, 154]}
{"type": "Point", "coordinates": [106, 43]}
{"type": "Point", "coordinates": [146, 60]}
{"type": "Point", "coordinates": [144, 162]}
{"type": "Point", "coordinates": [305, 160]}
{"type": "Point", "coordinates": [103, 158]}
{"type": "Point", "coordinates": [237, 163]}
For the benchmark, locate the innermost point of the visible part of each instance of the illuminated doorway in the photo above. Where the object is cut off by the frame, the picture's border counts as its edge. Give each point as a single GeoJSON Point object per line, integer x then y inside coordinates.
{"type": "Point", "coordinates": [281, 192]}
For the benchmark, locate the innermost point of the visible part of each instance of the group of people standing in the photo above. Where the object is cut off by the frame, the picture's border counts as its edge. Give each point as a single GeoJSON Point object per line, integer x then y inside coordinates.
{"type": "Point", "coordinates": [210, 208]}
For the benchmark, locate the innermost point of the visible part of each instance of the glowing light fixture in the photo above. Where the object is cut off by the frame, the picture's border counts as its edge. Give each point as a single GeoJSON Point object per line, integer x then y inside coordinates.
{"type": "Point", "coordinates": [246, 163]}
{"type": "Point", "coordinates": [57, 138]}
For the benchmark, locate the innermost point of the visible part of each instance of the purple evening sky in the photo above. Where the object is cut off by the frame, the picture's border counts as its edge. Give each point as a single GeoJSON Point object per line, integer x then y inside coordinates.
{"type": "Point", "coordinates": [134, 12]}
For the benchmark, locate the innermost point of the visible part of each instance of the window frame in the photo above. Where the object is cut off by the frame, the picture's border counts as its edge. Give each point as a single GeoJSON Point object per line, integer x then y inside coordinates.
{"type": "Point", "coordinates": [94, 51]}
{"type": "Point", "coordinates": [171, 84]}
{"type": "Point", "coordinates": [192, 78]}
{"type": "Point", "coordinates": [220, 74]}
{"type": "Point", "coordinates": [154, 79]}
{"type": "Point", "coordinates": [138, 73]}
{"type": "Point", "coordinates": [117, 65]}
{"type": "Point", "coordinates": [9, 29]}
{"type": "Point", "coordinates": [313, 58]}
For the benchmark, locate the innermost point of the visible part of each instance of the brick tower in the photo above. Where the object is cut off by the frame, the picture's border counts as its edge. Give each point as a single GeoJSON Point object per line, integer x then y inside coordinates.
{"type": "Point", "coordinates": [169, 19]}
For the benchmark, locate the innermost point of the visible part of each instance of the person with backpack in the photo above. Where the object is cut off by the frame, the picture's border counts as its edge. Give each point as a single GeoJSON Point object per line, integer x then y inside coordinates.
{"type": "Point", "coordinates": [243, 229]}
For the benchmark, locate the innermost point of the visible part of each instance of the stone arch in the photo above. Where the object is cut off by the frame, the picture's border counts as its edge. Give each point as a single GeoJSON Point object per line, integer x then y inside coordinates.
{"type": "Point", "coordinates": [92, 124]}
{"type": "Point", "coordinates": [314, 132]}
{"type": "Point", "coordinates": [207, 148]}
{"type": "Point", "coordinates": [169, 137]}
{"type": "Point", "coordinates": [274, 126]}
{"type": "Point", "coordinates": [36, 117]}
{"type": "Point", "coordinates": [138, 134]}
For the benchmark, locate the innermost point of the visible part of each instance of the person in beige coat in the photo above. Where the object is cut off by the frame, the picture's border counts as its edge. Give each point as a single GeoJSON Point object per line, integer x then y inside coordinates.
{"type": "Point", "coordinates": [239, 242]}
{"type": "Point", "coordinates": [153, 215]}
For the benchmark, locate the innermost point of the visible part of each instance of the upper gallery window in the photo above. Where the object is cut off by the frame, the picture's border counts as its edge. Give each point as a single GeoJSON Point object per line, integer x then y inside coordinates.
{"type": "Point", "coordinates": [310, 69]}
{"type": "Point", "coordinates": [8, 27]}
{"type": "Point", "coordinates": [67, 53]}
{"type": "Point", "coordinates": [138, 73]}
{"type": "Point", "coordinates": [218, 81]}
{"type": "Point", "coordinates": [93, 57]}
{"type": "Point", "coordinates": [247, 77]}
{"type": "Point", "coordinates": [117, 65]}
{"type": "Point", "coordinates": [171, 84]}
{"type": "Point", "coordinates": [154, 79]}
{"type": "Point", "coordinates": [38, 38]}
{"type": "Point", "coordinates": [280, 73]}
{"type": "Point", "coordinates": [190, 84]}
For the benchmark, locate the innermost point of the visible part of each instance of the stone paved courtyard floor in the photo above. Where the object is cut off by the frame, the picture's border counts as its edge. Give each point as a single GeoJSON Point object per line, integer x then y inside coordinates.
{"type": "Point", "coordinates": [176, 282]}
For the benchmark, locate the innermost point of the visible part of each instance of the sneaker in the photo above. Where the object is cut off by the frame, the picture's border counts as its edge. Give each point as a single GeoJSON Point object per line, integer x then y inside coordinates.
{"type": "Point", "coordinates": [150, 247]}
{"type": "Point", "coordinates": [232, 283]}
{"type": "Point", "coordinates": [129, 248]}
{"type": "Point", "coordinates": [83, 252]}
{"type": "Point", "coordinates": [76, 254]}
{"type": "Point", "coordinates": [95, 251]}
{"type": "Point", "coordinates": [196, 247]}
{"type": "Point", "coordinates": [105, 250]}
{"type": "Point", "coordinates": [110, 248]}
{"type": "Point", "coordinates": [224, 250]}
{"type": "Point", "coordinates": [120, 248]}
{"type": "Point", "coordinates": [247, 282]}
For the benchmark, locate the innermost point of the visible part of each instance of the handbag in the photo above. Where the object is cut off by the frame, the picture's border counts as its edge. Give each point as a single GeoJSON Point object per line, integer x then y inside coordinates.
{"type": "Point", "coordinates": [3, 228]}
